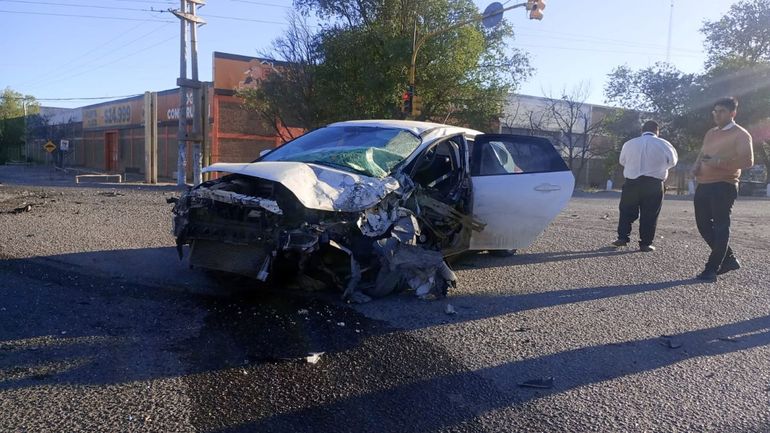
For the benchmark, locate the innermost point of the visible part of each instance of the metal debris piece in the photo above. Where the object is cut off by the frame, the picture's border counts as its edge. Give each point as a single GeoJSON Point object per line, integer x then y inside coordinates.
{"type": "Point", "coordinates": [670, 343]}
{"type": "Point", "coordinates": [313, 357]}
{"type": "Point", "coordinates": [359, 298]}
{"type": "Point", "coordinates": [355, 271]}
{"type": "Point", "coordinates": [230, 197]}
{"type": "Point", "coordinates": [450, 310]}
{"type": "Point", "coordinates": [422, 270]}
{"type": "Point", "coordinates": [544, 383]}
{"type": "Point", "coordinates": [730, 339]}
{"type": "Point", "coordinates": [24, 208]}
{"type": "Point", "coordinates": [263, 273]}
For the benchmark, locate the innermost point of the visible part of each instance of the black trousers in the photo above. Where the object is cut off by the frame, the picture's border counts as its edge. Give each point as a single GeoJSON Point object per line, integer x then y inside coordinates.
{"type": "Point", "coordinates": [640, 198]}
{"type": "Point", "coordinates": [713, 206]}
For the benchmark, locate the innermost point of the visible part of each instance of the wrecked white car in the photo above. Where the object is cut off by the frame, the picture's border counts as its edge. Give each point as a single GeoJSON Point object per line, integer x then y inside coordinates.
{"type": "Point", "coordinates": [373, 206]}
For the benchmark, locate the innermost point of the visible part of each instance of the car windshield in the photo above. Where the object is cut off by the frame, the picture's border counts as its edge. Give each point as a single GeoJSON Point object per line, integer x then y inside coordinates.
{"type": "Point", "coordinates": [372, 151]}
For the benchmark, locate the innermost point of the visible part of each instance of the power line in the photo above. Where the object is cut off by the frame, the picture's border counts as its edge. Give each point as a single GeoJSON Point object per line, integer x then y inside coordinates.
{"type": "Point", "coordinates": [64, 71]}
{"type": "Point", "coordinates": [142, 50]}
{"type": "Point", "coordinates": [168, 2]}
{"type": "Point", "coordinates": [88, 16]}
{"type": "Point", "coordinates": [128, 19]}
{"type": "Point", "coordinates": [261, 4]}
{"type": "Point", "coordinates": [79, 6]}
{"type": "Point", "coordinates": [595, 50]}
{"type": "Point", "coordinates": [245, 19]}
{"type": "Point", "coordinates": [587, 38]}
{"type": "Point", "coordinates": [85, 98]}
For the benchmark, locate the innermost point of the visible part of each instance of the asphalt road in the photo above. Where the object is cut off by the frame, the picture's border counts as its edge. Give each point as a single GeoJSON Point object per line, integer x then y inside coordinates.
{"type": "Point", "coordinates": [102, 328]}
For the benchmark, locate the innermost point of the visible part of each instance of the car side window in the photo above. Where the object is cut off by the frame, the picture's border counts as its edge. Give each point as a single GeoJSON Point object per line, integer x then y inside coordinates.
{"type": "Point", "coordinates": [510, 154]}
{"type": "Point", "coordinates": [496, 159]}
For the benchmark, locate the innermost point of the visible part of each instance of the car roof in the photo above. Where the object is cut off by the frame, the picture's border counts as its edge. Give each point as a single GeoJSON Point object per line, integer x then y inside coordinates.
{"type": "Point", "coordinates": [423, 129]}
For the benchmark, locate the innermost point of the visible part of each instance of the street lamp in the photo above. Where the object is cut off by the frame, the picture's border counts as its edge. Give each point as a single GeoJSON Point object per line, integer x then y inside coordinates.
{"type": "Point", "coordinates": [491, 17]}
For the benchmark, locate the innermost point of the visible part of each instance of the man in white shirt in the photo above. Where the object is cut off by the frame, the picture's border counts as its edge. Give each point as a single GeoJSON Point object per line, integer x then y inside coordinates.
{"type": "Point", "coordinates": [645, 160]}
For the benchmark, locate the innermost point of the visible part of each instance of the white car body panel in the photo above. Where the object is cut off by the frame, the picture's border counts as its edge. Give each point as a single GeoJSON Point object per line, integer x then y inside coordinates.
{"type": "Point", "coordinates": [316, 186]}
{"type": "Point", "coordinates": [517, 207]}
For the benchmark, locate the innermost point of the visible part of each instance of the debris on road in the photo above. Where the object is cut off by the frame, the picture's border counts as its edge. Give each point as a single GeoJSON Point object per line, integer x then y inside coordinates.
{"type": "Point", "coordinates": [544, 383]}
{"type": "Point", "coordinates": [111, 193]}
{"type": "Point", "coordinates": [450, 310]}
{"type": "Point", "coordinates": [23, 208]}
{"type": "Point", "coordinates": [314, 357]}
{"type": "Point", "coordinates": [669, 342]}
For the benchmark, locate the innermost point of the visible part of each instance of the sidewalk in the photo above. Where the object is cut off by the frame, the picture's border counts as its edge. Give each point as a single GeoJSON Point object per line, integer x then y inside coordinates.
{"type": "Point", "coordinates": [48, 175]}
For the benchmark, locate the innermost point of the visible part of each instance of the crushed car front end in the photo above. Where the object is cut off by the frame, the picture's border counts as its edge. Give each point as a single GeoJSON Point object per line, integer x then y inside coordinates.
{"type": "Point", "coordinates": [357, 228]}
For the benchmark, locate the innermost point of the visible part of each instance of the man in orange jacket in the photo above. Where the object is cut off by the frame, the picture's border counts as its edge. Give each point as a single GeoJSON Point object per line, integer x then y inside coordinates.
{"type": "Point", "coordinates": [726, 150]}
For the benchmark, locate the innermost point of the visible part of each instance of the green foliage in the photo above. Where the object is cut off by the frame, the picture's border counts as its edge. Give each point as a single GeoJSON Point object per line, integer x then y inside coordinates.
{"type": "Point", "coordinates": [743, 35]}
{"type": "Point", "coordinates": [664, 94]}
{"type": "Point", "coordinates": [359, 62]}
{"type": "Point", "coordinates": [12, 120]}
{"type": "Point", "coordinates": [659, 89]}
{"type": "Point", "coordinates": [738, 64]}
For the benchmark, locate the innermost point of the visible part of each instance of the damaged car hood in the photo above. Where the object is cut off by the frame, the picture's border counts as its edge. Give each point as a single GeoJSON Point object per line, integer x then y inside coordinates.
{"type": "Point", "coordinates": [316, 186]}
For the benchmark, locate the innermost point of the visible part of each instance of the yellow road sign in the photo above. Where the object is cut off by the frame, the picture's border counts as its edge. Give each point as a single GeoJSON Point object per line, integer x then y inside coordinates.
{"type": "Point", "coordinates": [49, 147]}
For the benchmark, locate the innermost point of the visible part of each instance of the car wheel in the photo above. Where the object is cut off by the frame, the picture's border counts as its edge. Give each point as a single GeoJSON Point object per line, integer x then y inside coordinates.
{"type": "Point", "coordinates": [502, 253]}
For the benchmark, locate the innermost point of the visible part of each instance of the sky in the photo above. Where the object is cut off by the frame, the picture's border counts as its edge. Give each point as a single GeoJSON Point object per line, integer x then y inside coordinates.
{"type": "Point", "coordinates": [63, 51]}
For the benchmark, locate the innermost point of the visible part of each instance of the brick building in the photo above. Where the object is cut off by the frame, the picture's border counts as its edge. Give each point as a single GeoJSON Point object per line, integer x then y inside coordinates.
{"type": "Point", "coordinates": [112, 136]}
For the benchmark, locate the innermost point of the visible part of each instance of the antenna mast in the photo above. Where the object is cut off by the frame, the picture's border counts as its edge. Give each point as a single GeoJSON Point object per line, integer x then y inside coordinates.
{"type": "Point", "coordinates": [670, 25]}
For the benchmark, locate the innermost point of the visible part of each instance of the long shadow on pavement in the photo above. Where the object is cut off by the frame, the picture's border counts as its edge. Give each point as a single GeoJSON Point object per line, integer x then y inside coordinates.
{"type": "Point", "coordinates": [571, 369]}
{"type": "Point", "coordinates": [87, 319]}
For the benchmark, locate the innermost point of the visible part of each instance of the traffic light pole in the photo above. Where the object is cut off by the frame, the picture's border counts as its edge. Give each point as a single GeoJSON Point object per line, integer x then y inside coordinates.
{"type": "Point", "coordinates": [418, 43]}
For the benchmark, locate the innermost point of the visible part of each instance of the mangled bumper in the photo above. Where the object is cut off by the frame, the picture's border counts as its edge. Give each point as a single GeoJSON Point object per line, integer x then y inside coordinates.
{"type": "Point", "coordinates": [363, 237]}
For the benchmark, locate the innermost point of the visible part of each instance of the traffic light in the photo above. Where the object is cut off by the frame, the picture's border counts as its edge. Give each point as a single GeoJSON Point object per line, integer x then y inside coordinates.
{"type": "Point", "coordinates": [535, 8]}
{"type": "Point", "coordinates": [406, 100]}
{"type": "Point", "coordinates": [416, 105]}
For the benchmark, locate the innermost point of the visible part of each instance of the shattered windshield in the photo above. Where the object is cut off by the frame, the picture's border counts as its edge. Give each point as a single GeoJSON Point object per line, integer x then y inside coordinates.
{"type": "Point", "coordinates": [368, 150]}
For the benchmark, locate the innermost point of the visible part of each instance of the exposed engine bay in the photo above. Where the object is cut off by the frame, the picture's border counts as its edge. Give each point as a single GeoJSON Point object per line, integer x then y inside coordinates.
{"type": "Point", "coordinates": [366, 236]}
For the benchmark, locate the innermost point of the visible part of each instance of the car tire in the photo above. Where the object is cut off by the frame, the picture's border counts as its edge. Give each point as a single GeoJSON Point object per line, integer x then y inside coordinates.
{"type": "Point", "coordinates": [502, 253]}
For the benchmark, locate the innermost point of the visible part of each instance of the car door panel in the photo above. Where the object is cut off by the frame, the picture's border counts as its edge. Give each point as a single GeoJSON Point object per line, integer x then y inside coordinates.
{"type": "Point", "coordinates": [520, 184]}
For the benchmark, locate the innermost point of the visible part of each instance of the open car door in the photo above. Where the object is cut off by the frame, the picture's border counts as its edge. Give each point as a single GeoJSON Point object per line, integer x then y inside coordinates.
{"type": "Point", "coordinates": [520, 184]}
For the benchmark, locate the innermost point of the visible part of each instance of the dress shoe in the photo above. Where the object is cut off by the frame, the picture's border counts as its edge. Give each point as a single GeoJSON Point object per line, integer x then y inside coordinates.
{"type": "Point", "coordinates": [729, 264]}
{"type": "Point", "coordinates": [647, 248]}
{"type": "Point", "coordinates": [707, 276]}
{"type": "Point", "coordinates": [619, 243]}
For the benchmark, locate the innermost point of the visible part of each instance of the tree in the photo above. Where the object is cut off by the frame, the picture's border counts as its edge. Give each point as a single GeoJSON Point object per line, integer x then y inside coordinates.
{"type": "Point", "coordinates": [743, 34]}
{"type": "Point", "coordinates": [12, 121]}
{"type": "Point", "coordinates": [738, 47]}
{"type": "Point", "coordinates": [575, 127]}
{"type": "Point", "coordinates": [362, 55]}
{"type": "Point", "coordinates": [579, 128]}
{"type": "Point", "coordinates": [287, 96]}
{"type": "Point", "coordinates": [661, 91]}
{"type": "Point", "coordinates": [738, 64]}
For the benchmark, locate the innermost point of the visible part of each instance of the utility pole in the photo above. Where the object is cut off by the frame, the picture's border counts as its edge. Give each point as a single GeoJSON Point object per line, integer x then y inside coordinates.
{"type": "Point", "coordinates": [188, 18]}
{"type": "Point", "coordinates": [27, 147]}
{"type": "Point", "coordinates": [670, 26]}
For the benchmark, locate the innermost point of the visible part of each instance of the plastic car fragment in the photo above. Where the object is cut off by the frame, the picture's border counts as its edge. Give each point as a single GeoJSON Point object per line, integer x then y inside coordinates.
{"type": "Point", "coordinates": [230, 197]}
